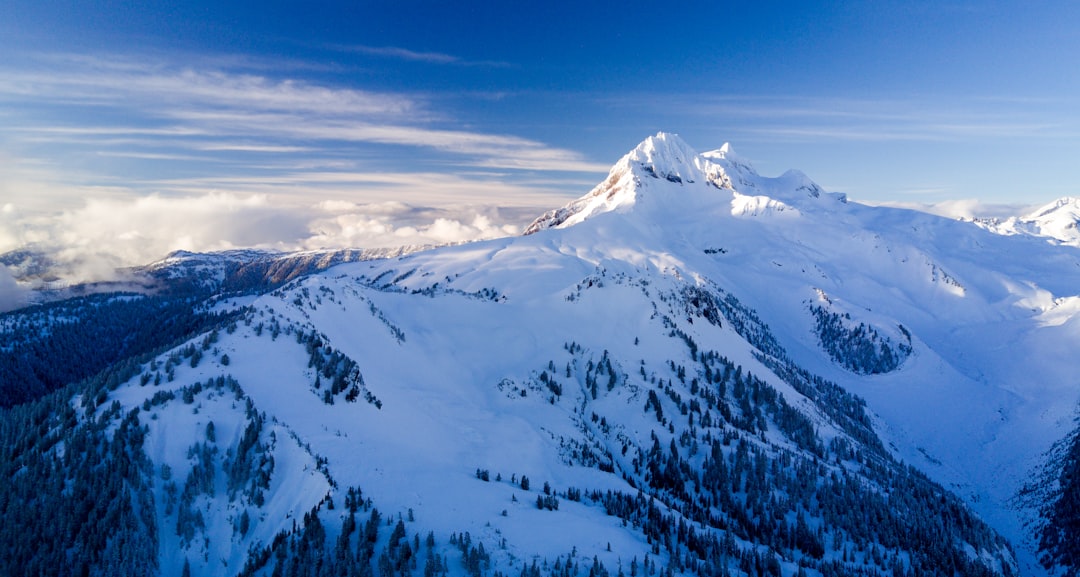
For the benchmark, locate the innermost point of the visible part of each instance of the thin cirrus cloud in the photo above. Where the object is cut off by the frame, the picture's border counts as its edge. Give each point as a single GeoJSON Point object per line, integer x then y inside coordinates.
{"type": "Point", "coordinates": [474, 149]}
{"type": "Point", "coordinates": [925, 132]}
{"type": "Point", "coordinates": [402, 53]}
{"type": "Point", "coordinates": [109, 81]}
{"type": "Point", "coordinates": [954, 119]}
{"type": "Point", "coordinates": [159, 100]}
{"type": "Point", "coordinates": [418, 188]}
{"type": "Point", "coordinates": [415, 56]}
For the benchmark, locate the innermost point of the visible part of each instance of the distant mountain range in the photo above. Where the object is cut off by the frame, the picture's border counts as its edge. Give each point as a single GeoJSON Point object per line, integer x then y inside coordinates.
{"type": "Point", "coordinates": [693, 369]}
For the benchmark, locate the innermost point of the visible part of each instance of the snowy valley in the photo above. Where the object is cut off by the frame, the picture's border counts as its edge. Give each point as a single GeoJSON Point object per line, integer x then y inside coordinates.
{"type": "Point", "coordinates": [693, 369]}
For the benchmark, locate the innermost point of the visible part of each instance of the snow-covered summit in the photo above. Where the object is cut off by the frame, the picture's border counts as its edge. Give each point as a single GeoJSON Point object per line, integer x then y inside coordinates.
{"type": "Point", "coordinates": [1066, 205]}
{"type": "Point", "coordinates": [664, 171]}
{"type": "Point", "coordinates": [667, 156]}
{"type": "Point", "coordinates": [664, 157]}
{"type": "Point", "coordinates": [1058, 220]}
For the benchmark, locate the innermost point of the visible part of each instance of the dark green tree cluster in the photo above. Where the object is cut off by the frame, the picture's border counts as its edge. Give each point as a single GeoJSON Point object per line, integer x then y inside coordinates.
{"type": "Point", "coordinates": [200, 481]}
{"type": "Point", "coordinates": [741, 318]}
{"type": "Point", "coordinates": [306, 551]}
{"type": "Point", "coordinates": [1055, 494]}
{"type": "Point", "coordinates": [547, 502]}
{"type": "Point", "coordinates": [249, 465]}
{"type": "Point", "coordinates": [474, 557]}
{"type": "Point", "coordinates": [858, 348]}
{"type": "Point", "coordinates": [75, 495]}
{"type": "Point", "coordinates": [335, 372]}
{"type": "Point", "coordinates": [51, 345]}
{"type": "Point", "coordinates": [574, 565]}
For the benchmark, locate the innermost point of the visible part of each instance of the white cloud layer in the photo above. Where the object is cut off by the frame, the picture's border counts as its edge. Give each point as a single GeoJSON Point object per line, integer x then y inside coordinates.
{"type": "Point", "coordinates": [364, 229]}
{"type": "Point", "coordinates": [12, 295]}
{"type": "Point", "coordinates": [964, 208]}
{"type": "Point", "coordinates": [90, 242]}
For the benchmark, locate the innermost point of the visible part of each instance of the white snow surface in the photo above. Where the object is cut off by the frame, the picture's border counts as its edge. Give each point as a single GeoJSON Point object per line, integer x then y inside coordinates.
{"type": "Point", "coordinates": [449, 339]}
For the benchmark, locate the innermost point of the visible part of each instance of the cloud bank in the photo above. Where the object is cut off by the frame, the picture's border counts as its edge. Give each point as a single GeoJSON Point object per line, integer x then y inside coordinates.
{"type": "Point", "coordinates": [966, 209]}
{"type": "Point", "coordinates": [12, 295]}
{"type": "Point", "coordinates": [91, 242]}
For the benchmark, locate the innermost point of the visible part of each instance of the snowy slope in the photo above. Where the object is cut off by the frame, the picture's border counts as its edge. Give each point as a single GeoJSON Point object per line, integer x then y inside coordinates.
{"type": "Point", "coordinates": [534, 356]}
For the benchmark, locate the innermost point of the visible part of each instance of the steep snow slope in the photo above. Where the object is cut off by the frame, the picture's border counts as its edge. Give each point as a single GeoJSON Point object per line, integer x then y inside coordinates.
{"type": "Point", "coordinates": [611, 349]}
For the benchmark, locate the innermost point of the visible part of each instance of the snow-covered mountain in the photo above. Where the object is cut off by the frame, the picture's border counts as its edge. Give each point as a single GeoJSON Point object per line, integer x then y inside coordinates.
{"type": "Point", "coordinates": [692, 369]}
{"type": "Point", "coordinates": [667, 157]}
{"type": "Point", "coordinates": [1059, 221]}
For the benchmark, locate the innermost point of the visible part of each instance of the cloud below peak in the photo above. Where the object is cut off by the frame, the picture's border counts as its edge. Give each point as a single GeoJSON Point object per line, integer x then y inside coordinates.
{"type": "Point", "coordinates": [91, 242]}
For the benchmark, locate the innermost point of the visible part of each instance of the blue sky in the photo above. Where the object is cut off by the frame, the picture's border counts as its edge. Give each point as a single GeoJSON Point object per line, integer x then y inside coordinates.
{"type": "Point", "coordinates": [128, 129]}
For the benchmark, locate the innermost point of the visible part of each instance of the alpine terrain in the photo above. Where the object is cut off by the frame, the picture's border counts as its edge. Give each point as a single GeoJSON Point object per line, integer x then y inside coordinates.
{"type": "Point", "coordinates": [691, 370]}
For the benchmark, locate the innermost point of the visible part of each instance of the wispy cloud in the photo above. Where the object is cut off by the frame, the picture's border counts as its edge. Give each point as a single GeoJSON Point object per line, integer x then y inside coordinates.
{"type": "Point", "coordinates": [109, 82]}
{"type": "Point", "coordinates": [153, 155]}
{"type": "Point", "coordinates": [869, 119]}
{"type": "Point", "coordinates": [415, 56]}
{"type": "Point", "coordinates": [404, 54]}
{"type": "Point", "coordinates": [472, 148]}
{"type": "Point", "coordinates": [243, 147]}
{"type": "Point", "coordinates": [968, 208]}
{"type": "Point", "coordinates": [211, 110]}
{"type": "Point", "coordinates": [424, 188]}
{"type": "Point", "coordinates": [903, 132]}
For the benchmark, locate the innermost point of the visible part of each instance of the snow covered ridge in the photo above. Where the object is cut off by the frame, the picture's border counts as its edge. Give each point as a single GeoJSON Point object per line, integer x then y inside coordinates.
{"type": "Point", "coordinates": [692, 370]}
{"type": "Point", "coordinates": [1059, 220]}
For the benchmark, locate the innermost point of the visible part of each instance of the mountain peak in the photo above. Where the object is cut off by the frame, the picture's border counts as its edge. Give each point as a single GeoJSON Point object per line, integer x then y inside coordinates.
{"type": "Point", "coordinates": [664, 171]}
{"type": "Point", "coordinates": [667, 156]}
{"type": "Point", "coordinates": [1067, 206]}
{"type": "Point", "coordinates": [1059, 220]}
{"type": "Point", "coordinates": [663, 157]}
{"type": "Point", "coordinates": [666, 153]}
{"type": "Point", "coordinates": [724, 152]}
